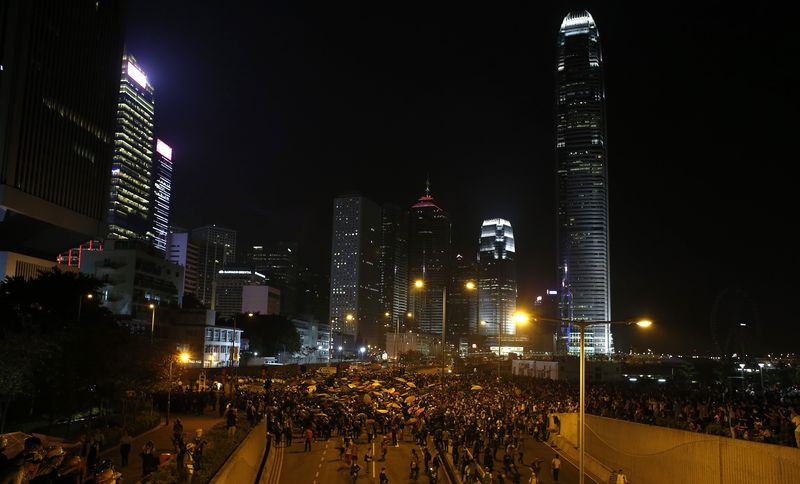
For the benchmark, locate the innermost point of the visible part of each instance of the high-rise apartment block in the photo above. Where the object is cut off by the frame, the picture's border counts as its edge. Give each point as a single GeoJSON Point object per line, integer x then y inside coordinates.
{"type": "Point", "coordinates": [355, 310]}
{"type": "Point", "coordinates": [582, 174]}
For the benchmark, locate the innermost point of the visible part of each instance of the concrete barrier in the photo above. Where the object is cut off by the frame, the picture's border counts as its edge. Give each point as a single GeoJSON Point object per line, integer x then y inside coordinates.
{"type": "Point", "coordinates": [247, 460]}
{"type": "Point", "coordinates": [659, 455]}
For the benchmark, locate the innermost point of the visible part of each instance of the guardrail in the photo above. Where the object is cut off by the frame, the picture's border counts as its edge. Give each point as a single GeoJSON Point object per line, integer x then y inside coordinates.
{"type": "Point", "coordinates": [247, 461]}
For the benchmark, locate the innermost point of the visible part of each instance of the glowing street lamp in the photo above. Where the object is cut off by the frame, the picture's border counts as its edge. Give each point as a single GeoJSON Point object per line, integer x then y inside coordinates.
{"type": "Point", "coordinates": [182, 358]}
{"type": "Point", "coordinates": [152, 322]}
{"type": "Point", "coordinates": [642, 323]}
{"type": "Point", "coordinates": [89, 296]}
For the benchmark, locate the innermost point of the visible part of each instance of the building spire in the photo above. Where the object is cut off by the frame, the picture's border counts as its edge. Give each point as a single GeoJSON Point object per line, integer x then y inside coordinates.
{"type": "Point", "coordinates": [428, 184]}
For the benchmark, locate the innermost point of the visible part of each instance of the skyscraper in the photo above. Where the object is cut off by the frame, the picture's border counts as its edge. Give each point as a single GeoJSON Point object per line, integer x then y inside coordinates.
{"type": "Point", "coordinates": [394, 264]}
{"type": "Point", "coordinates": [497, 282]}
{"type": "Point", "coordinates": [130, 205]}
{"type": "Point", "coordinates": [181, 251]}
{"type": "Point", "coordinates": [162, 192]}
{"type": "Point", "coordinates": [59, 82]}
{"type": "Point", "coordinates": [461, 301]}
{"type": "Point", "coordinates": [582, 174]}
{"type": "Point", "coordinates": [355, 275]}
{"type": "Point", "coordinates": [278, 262]}
{"type": "Point", "coordinates": [217, 249]}
{"type": "Point", "coordinates": [429, 261]}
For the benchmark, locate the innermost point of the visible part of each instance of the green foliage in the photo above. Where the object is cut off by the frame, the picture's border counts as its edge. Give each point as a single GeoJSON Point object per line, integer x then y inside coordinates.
{"type": "Point", "coordinates": [63, 349]}
{"type": "Point", "coordinates": [269, 334]}
{"type": "Point", "coordinates": [217, 451]}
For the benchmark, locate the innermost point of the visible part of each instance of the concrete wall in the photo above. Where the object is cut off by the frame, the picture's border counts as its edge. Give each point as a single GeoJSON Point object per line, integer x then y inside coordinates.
{"type": "Point", "coordinates": [656, 455]}
{"type": "Point", "coordinates": [245, 462]}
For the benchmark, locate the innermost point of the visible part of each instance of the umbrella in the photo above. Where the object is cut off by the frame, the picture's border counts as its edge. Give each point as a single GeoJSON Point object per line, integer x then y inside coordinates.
{"type": "Point", "coordinates": [399, 379]}
{"type": "Point", "coordinates": [411, 384]}
{"type": "Point", "coordinates": [476, 387]}
{"type": "Point", "coordinates": [377, 393]}
{"type": "Point", "coordinates": [412, 420]}
{"type": "Point", "coordinates": [350, 385]}
{"type": "Point", "coordinates": [367, 399]}
{"type": "Point", "coordinates": [392, 404]}
{"type": "Point", "coordinates": [410, 399]}
{"type": "Point", "coordinates": [390, 391]}
{"type": "Point", "coordinates": [420, 410]}
{"type": "Point", "coordinates": [380, 410]}
{"type": "Point", "coordinates": [312, 389]}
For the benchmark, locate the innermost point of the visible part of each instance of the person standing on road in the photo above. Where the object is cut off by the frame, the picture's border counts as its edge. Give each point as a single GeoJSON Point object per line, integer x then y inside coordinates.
{"type": "Point", "coordinates": [384, 479]}
{"type": "Point", "coordinates": [555, 466]}
{"type": "Point", "coordinates": [621, 478]}
{"type": "Point", "coordinates": [125, 447]}
{"type": "Point", "coordinates": [308, 434]}
{"type": "Point", "coordinates": [230, 421]}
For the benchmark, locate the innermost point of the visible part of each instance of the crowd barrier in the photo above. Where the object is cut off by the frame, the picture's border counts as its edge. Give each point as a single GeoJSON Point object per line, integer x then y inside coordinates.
{"type": "Point", "coordinates": [659, 455]}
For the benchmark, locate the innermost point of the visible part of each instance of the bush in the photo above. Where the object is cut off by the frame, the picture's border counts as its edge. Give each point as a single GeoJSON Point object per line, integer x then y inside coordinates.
{"type": "Point", "coordinates": [217, 451]}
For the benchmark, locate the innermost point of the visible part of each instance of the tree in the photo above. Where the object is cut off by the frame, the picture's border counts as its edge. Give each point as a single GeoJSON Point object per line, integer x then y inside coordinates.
{"type": "Point", "coordinates": [269, 334]}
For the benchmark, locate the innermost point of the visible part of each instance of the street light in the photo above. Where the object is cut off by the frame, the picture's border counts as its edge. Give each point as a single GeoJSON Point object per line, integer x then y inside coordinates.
{"type": "Point", "coordinates": [152, 322]}
{"type": "Point", "coordinates": [362, 350]}
{"type": "Point", "coordinates": [473, 286]}
{"type": "Point", "coordinates": [182, 358]}
{"type": "Point", "coordinates": [761, 373]}
{"type": "Point", "coordinates": [642, 323]}
{"type": "Point", "coordinates": [518, 318]}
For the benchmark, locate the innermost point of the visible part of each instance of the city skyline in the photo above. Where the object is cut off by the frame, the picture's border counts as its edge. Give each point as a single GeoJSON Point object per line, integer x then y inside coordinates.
{"type": "Point", "coordinates": [435, 96]}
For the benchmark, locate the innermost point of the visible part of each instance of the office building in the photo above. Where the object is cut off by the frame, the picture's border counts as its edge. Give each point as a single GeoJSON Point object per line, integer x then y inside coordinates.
{"type": "Point", "coordinates": [278, 262]}
{"type": "Point", "coordinates": [261, 299]}
{"type": "Point", "coordinates": [134, 275]}
{"type": "Point", "coordinates": [183, 252]}
{"type": "Point", "coordinates": [497, 280]}
{"type": "Point", "coordinates": [313, 295]}
{"type": "Point", "coordinates": [429, 261]}
{"type": "Point", "coordinates": [394, 264]}
{"type": "Point", "coordinates": [130, 207]}
{"type": "Point", "coordinates": [230, 284]}
{"type": "Point", "coordinates": [162, 193]}
{"type": "Point", "coordinates": [217, 249]}
{"type": "Point", "coordinates": [59, 81]}
{"type": "Point", "coordinates": [582, 178]}
{"type": "Point", "coordinates": [462, 301]}
{"type": "Point", "coordinates": [355, 311]}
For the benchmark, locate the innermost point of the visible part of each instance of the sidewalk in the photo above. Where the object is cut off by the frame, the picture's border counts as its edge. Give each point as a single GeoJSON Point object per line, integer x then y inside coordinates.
{"type": "Point", "coordinates": [162, 438]}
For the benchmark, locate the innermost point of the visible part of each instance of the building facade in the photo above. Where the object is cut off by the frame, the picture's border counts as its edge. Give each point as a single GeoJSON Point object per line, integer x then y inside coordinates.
{"type": "Point", "coordinates": [134, 275]}
{"type": "Point", "coordinates": [261, 299]}
{"type": "Point", "coordinates": [497, 282]}
{"type": "Point", "coordinates": [130, 207]}
{"type": "Point", "coordinates": [59, 84]}
{"type": "Point", "coordinates": [313, 295]}
{"type": "Point", "coordinates": [217, 249]}
{"type": "Point", "coordinates": [582, 177]}
{"type": "Point", "coordinates": [429, 261]}
{"type": "Point", "coordinates": [394, 264]}
{"type": "Point", "coordinates": [355, 310]}
{"type": "Point", "coordinates": [230, 284]}
{"type": "Point", "coordinates": [461, 300]}
{"type": "Point", "coordinates": [162, 193]}
{"type": "Point", "coordinates": [278, 262]}
{"type": "Point", "coordinates": [181, 251]}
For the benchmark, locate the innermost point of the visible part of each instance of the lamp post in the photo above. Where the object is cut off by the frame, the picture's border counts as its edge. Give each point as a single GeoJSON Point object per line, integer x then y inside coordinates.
{"type": "Point", "coordinates": [761, 373]}
{"type": "Point", "coordinates": [183, 358]}
{"type": "Point", "coordinates": [80, 304]}
{"type": "Point", "coordinates": [152, 322]}
{"type": "Point", "coordinates": [473, 286]}
{"type": "Point", "coordinates": [581, 418]}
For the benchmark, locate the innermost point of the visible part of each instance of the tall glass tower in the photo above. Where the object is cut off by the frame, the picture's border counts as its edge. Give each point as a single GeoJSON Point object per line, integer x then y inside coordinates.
{"type": "Point", "coordinates": [162, 192]}
{"type": "Point", "coordinates": [582, 174]}
{"type": "Point", "coordinates": [497, 282]}
{"type": "Point", "coordinates": [129, 209]}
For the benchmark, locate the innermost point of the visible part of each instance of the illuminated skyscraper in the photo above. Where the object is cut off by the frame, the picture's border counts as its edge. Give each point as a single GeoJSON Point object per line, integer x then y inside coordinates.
{"type": "Point", "coordinates": [394, 264]}
{"type": "Point", "coordinates": [162, 190]}
{"type": "Point", "coordinates": [217, 250]}
{"type": "Point", "coordinates": [355, 273]}
{"type": "Point", "coordinates": [583, 239]}
{"type": "Point", "coordinates": [497, 280]}
{"type": "Point", "coordinates": [130, 207]}
{"type": "Point", "coordinates": [429, 260]}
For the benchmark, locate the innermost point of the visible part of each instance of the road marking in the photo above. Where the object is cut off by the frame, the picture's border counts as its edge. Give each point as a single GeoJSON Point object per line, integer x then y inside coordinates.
{"type": "Point", "coordinates": [373, 460]}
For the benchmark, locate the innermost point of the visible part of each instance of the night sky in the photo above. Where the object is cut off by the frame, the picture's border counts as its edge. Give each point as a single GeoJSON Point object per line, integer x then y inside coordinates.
{"type": "Point", "coordinates": [273, 108]}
